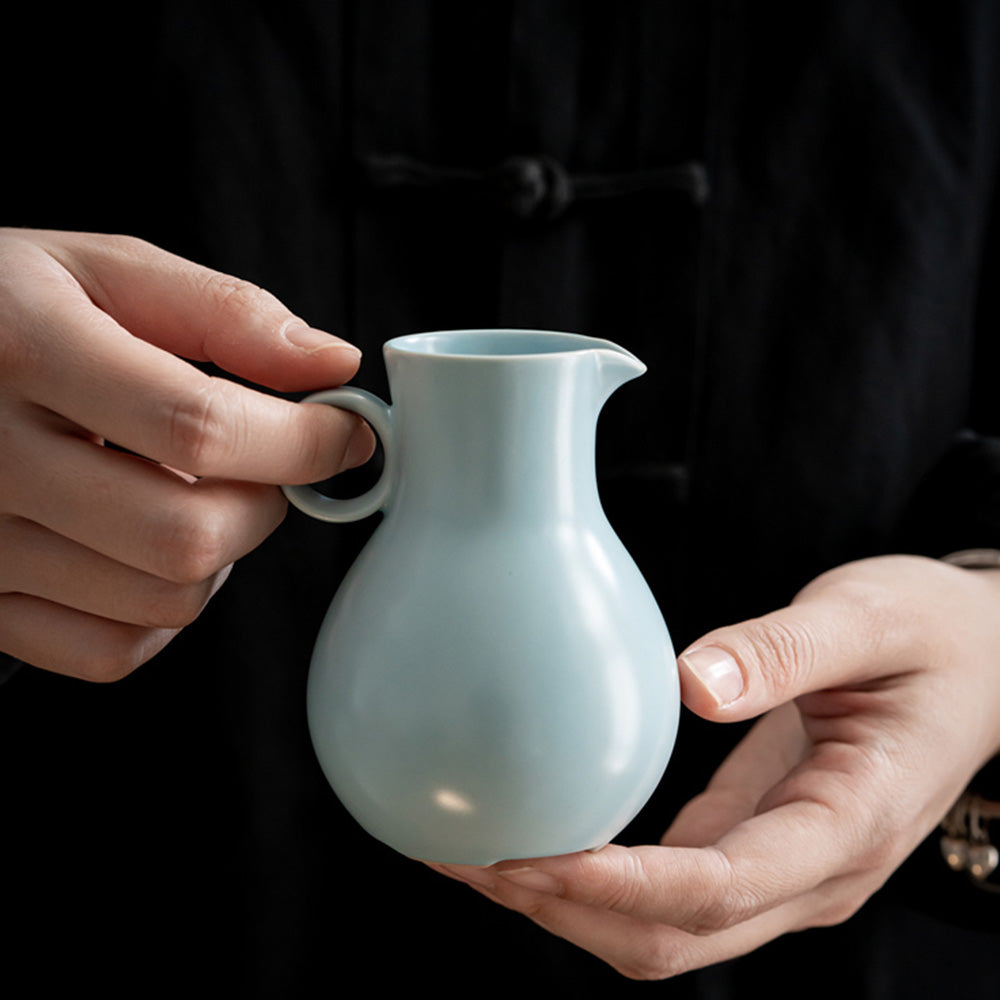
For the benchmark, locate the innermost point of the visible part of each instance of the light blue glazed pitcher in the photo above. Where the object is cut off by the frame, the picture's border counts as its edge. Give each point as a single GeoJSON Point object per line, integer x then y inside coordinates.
{"type": "Point", "coordinates": [493, 679]}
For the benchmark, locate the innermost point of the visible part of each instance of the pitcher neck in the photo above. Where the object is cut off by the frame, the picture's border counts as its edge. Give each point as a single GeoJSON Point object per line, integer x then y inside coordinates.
{"type": "Point", "coordinates": [483, 439]}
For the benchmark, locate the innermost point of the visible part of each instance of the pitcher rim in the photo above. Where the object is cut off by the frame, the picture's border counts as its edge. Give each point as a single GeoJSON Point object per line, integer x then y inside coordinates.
{"type": "Point", "coordinates": [585, 344]}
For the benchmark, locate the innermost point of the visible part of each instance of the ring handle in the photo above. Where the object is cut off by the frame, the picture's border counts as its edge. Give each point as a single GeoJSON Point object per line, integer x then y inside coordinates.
{"type": "Point", "coordinates": [379, 416]}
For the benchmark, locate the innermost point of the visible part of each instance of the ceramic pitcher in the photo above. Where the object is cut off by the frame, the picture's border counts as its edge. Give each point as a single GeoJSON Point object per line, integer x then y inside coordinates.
{"type": "Point", "coordinates": [493, 679]}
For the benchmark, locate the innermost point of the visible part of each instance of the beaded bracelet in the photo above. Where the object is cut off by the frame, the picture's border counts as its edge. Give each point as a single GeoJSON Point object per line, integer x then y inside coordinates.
{"type": "Point", "coordinates": [974, 558]}
{"type": "Point", "coordinates": [965, 841]}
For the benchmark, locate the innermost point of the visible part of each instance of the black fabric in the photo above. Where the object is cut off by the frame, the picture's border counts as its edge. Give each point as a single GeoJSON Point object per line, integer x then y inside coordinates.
{"type": "Point", "coordinates": [8, 666]}
{"type": "Point", "coordinates": [821, 341]}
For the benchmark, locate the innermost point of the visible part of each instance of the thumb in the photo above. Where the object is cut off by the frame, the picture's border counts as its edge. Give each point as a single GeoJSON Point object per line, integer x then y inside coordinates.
{"type": "Point", "coordinates": [821, 641]}
{"type": "Point", "coordinates": [200, 314]}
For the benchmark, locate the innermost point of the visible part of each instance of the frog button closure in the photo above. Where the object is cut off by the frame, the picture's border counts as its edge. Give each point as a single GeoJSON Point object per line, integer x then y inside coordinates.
{"type": "Point", "coordinates": [532, 187]}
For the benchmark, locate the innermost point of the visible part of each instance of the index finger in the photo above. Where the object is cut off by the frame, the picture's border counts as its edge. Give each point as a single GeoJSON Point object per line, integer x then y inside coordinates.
{"type": "Point", "coordinates": [765, 861]}
{"type": "Point", "coordinates": [196, 312]}
{"type": "Point", "coordinates": [95, 373]}
{"type": "Point", "coordinates": [640, 949]}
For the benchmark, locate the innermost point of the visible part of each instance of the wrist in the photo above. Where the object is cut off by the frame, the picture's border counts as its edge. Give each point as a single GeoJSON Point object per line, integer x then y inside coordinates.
{"type": "Point", "coordinates": [967, 844]}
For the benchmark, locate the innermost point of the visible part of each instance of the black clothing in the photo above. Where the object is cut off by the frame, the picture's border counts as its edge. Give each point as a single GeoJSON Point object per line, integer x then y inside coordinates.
{"type": "Point", "coordinates": [815, 295]}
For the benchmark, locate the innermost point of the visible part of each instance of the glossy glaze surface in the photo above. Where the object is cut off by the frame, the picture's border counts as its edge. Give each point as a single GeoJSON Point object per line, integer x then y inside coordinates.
{"type": "Point", "coordinates": [493, 679]}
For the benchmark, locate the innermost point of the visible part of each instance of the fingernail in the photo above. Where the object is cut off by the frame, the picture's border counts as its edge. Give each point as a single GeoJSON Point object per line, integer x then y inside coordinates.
{"type": "Point", "coordinates": [532, 878]}
{"type": "Point", "coordinates": [307, 338]}
{"type": "Point", "coordinates": [717, 671]}
{"type": "Point", "coordinates": [220, 579]}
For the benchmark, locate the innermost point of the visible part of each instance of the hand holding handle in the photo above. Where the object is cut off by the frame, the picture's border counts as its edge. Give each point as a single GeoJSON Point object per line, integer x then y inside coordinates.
{"type": "Point", "coordinates": [379, 415]}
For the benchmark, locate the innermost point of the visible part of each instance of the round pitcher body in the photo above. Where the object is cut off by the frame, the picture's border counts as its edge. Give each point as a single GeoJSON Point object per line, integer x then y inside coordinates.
{"type": "Point", "coordinates": [504, 695]}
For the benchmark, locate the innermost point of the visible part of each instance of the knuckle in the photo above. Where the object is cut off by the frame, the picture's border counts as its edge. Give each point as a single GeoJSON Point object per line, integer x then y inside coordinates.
{"type": "Point", "coordinates": [176, 606]}
{"type": "Point", "coordinates": [731, 902]}
{"type": "Point", "coordinates": [19, 354]}
{"type": "Point", "coordinates": [653, 960]}
{"type": "Point", "coordinates": [624, 892]}
{"type": "Point", "coordinates": [313, 452]}
{"type": "Point", "coordinates": [880, 853]}
{"type": "Point", "coordinates": [88, 253]}
{"type": "Point", "coordinates": [840, 900]}
{"type": "Point", "coordinates": [234, 299]}
{"type": "Point", "coordinates": [15, 356]}
{"type": "Point", "coordinates": [193, 549]}
{"type": "Point", "coordinates": [195, 429]}
{"type": "Point", "coordinates": [120, 245]}
{"type": "Point", "coordinates": [864, 597]}
{"type": "Point", "coordinates": [781, 652]}
{"type": "Point", "coordinates": [851, 788]}
{"type": "Point", "coordinates": [538, 910]}
{"type": "Point", "coordinates": [108, 669]}
{"type": "Point", "coordinates": [867, 601]}
{"type": "Point", "coordinates": [124, 650]}
{"type": "Point", "coordinates": [719, 915]}
{"type": "Point", "coordinates": [836, 913]}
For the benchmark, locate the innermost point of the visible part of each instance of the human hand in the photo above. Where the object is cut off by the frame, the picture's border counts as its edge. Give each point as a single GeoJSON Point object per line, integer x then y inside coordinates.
{"type": "Point", "coordinates": [881, 688]}
{"type": "Point", "coordinates": [106, 554]}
